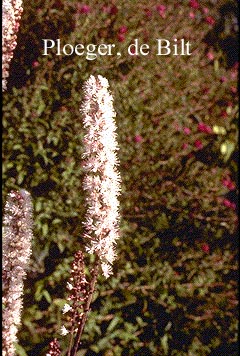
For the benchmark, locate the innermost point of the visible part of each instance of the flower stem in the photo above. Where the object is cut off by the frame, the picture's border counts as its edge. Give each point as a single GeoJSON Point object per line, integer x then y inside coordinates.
{"type": "Point", "coordinates": [73, 351]}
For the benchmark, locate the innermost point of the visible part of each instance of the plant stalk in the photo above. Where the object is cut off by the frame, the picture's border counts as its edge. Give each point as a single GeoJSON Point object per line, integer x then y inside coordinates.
{"type": "Point", "coordinates": [73, 351]}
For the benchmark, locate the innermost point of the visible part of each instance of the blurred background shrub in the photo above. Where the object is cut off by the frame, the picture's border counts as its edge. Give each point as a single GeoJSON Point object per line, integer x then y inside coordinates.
{"type": "Point", "coordinates": [175, 282]}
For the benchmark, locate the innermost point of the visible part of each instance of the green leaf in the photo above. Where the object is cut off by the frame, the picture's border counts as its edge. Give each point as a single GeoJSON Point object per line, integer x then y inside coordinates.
{"type": "Point", "coordinates": [38, 293]}
{"type": "Point", "coordinates": [41, 108]}
{"type": "Point", "coordinates": [20, 178]}
{"type": "Point", "coordinates": [47, 296]}
{"type": "Point", "coordinates": [20, 350]}
{"type": "Point", "coordinates": [162, 222]}
{"type": "Point", "coordinates": [44, 229]}
{"type": "Point", "coordinates": [216, 65]}
{"type": "Point", "coordinates": [164, 343]}
{"type": "Point", "coordinates": [113, 324]}
{"type": "Point", "coordinates": [38, 206]}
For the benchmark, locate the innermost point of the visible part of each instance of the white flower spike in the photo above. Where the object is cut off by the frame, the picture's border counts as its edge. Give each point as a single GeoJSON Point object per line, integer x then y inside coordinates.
{"type": "Point", "coordinates": [102, 179]}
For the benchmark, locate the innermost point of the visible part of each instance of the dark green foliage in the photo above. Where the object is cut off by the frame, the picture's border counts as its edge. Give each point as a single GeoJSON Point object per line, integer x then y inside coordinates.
{"type": "Point", "coordinates": [173, 291]}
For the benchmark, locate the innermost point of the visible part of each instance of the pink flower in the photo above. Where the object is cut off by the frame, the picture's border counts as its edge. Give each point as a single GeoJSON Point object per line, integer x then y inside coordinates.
{"type": "Point", "coordinates": [229, 204]}
{"type": "Point", "coordinates": [84, 9]}
{"type": "Point", "coordinates": [120, 37]}
{"type": "Point", "coordinates": [191, 15]}
{"type": "Point", "coordinates": [231, 185]}
{"type": "Point", "coordinates": [186, 130]}
{"type": "Point", "coordinates": [225, 182]}
{"type": "Point", "coordinates": [210, 56]}
{"type": "Point", "coordinates": [234, 90]}
{"type": "Point", "coordinates": [210, 20]}
{"type": "Point", "coordinates": [194, 4]}
{"type": "Point", "coordinates": [205, 248]}
{"type": "Point", "coordinates": [122, 29]}
{"type": "Point", "coordinates": [223, 79]}
{"type": "Point", "coordinates": [113, 10]}
{"type": "Point", "coordinates": [208, 129]}
{"type": "Point", "coordinates": [198, 144]}
{"type": "Point", "coordinates": [138, 138]}
{"type": "Point", "coordinates": [204, 128]}
{"type": "Point", "coordinates": [161, 10]}
{"type": "Point", "coordinates": [35, 64]}
{"type": "Point", "coordinates": [133, 51]}
{"type": "Point", "coordinates": [228, 183]}
{"type": "Point", "coordinates": [205, 10]}
{"type": "Point", "coordinates": [184, 145]}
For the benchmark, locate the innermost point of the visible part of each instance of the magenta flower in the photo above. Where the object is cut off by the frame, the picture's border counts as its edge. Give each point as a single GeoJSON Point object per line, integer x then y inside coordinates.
{"type": "Point", "coordinates": [205, 248]}
{"type": "Point", "coordinates": [138, 138]}
{"type": "Point", "coordinates": [122, 29]}
{"type": "Point", "coordinates": [84, 9]}
{"type": "Point", "coordinates": [198, 144]}
{"type": "Point", "coordinates": [228, 184]}
{"type": "Point", "coordinates": [194, 4]}
{"type": "Point", "coordinates": [35, 64]}
{"type": "Point", "coordinates": [186, 130]}
{"type": "Point", "coordinates": [191, 15]}
{"type": "Point", "coordinates": [229, 204]}
{"type": "Point", "coordinates": [223, 79]}
{"type": "Point", "coordinates": [120, 37]}
{"type": "Point", "coordinates": [210, 20]}
{"type": "Point", "coordinates": [204, 128]}
{"type": "Point", "coordinates": [113, 10]}
{"type": "Point", "coordinates": [161, 10]}
{"type": "Point", "coordinates": [231, 185]}
{"type": "Point", "coordinates": [210, 56]}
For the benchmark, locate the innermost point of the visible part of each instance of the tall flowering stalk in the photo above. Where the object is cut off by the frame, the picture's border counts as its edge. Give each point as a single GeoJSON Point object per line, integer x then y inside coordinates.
{"type": "Point", "coordinates": [102, 179]}
{"type": "Point", "coordinates": [102, 186]}
{"type": "Point", "coordinates": [80, 295]}
{"type": "Point", "coordinates": [11, 15]}
{"type": "Point", "coordinates": [17, 236]}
